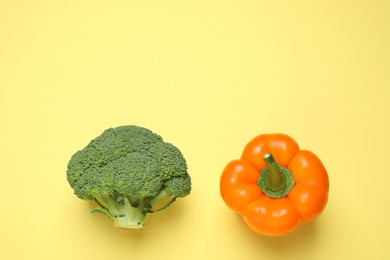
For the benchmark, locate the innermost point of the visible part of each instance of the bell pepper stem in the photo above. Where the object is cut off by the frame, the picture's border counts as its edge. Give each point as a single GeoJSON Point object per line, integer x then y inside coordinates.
{"type": "Point", "coordinates": [274, 180]}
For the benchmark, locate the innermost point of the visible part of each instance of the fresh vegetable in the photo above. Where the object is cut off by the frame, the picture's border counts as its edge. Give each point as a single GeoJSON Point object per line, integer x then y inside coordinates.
{"type": "Point", "coordinates": [129, 172]}
{"type": "Point", "coordinates": [275, 186]}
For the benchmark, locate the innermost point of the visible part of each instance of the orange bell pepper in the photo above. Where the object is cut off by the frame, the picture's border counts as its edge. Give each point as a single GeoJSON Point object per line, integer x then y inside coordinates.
{"type": "Point", "coordinates": [275, 186]}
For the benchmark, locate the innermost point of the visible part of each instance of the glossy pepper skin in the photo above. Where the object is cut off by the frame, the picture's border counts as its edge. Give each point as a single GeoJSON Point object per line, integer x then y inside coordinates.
{"type": "Point", "coordinates": [275, 216]}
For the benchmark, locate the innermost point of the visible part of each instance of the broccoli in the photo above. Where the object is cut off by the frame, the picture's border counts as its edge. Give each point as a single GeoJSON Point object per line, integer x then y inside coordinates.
{"type": "Point", "coordinates": [129, 172]}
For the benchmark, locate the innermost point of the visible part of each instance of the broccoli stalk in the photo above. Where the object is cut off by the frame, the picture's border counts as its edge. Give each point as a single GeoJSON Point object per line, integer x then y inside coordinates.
{"type": "Point", "coordinates": [133, 214]}
{"type": "Point", "coordinates": [130, 173]}
{"type": "Point", "coordinates": [121, 211]}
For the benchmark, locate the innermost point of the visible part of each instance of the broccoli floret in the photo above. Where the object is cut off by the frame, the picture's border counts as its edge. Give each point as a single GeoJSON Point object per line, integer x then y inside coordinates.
{"type": "Point", "coordinates": [130, 172]}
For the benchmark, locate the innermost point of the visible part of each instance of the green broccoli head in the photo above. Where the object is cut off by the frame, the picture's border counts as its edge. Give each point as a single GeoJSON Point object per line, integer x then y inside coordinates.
{"type": "Point", "coordinates": [129, 172]}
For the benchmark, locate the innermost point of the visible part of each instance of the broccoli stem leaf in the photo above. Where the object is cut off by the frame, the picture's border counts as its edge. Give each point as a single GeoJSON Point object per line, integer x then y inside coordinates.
{"type": "Point", "coordinates": [161, 201]}
{"type": "Point", "coordinates": [166, 205]}
{"type": "Point", "coordinates": [103, 211]}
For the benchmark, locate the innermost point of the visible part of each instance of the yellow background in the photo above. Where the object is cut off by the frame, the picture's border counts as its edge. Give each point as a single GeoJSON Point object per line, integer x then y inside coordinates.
{"type": "Point", "coordinates": [208, 76]}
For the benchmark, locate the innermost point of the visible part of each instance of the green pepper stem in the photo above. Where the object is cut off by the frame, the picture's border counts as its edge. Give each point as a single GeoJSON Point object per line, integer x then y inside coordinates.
{"type": "Point", "coordinates": [274, 180]}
